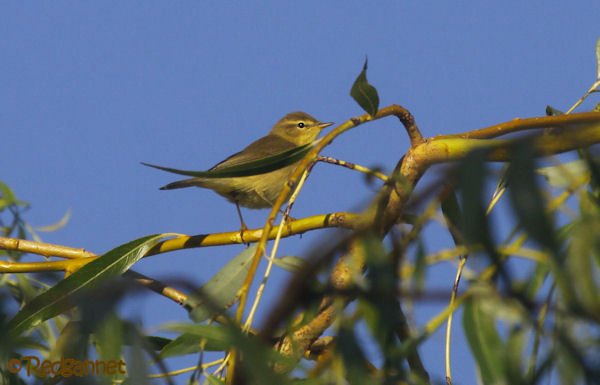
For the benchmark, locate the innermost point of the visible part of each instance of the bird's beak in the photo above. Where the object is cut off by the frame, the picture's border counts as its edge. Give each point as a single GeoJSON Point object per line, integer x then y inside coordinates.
{"type": "Point", "coordinates": [324, 125]}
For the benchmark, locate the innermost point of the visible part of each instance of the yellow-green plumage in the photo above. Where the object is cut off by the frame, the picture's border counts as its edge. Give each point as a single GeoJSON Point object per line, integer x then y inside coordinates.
{"type": "Point", "coordinates": [260, 191]}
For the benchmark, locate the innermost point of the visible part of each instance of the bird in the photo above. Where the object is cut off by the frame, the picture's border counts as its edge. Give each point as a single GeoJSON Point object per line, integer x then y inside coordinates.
{"type": "Point", "coordinates": [259, 191]}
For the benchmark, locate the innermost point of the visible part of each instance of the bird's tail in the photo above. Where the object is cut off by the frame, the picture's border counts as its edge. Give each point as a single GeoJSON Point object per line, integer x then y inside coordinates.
{"type": "Point", "coordinates": [183, 183]}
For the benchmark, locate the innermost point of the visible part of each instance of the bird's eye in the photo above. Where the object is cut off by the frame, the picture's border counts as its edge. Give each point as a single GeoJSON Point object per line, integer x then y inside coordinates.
{"type": "Point", "coordinates": [301, 125]}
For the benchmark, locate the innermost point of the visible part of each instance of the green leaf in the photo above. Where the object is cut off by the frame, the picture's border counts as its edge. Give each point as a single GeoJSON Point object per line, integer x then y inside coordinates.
{"type": "Point", "coordinates": [594, 171]}
{"type": "Point", "coordinates": [196, 338]}
{"type": "Point", "coordinates": [453, 216]}
{"type": "Point", "coordinates": [290, 263]}
{"type": "Point", "coordinates": [62, 222]}
{"type": "Point", "coordinates": [515, 346]}
{"type": "Point", "coordinates": [365, 94]}
{"type": "Point", "coordinates": [551, 111]}
{"type": "Point", "coordinates": [255, 167]}
{"type": "Point", "coordinates": [536, 279]}
{"type": "Point", "coordinates": [59, 298]}
{"type": "Point", "coordinates": [564, 174]}
{"type": "Point", "coordinates": [420, 272]}
{"type": "Point", "coordinates": [527, 199]}
{"type": "Point", "coordinates": [582, 266]}
{"type": "Point", "coordinates": [212, 380]}
{"type": "Point", "coordinates": [109, 339]}
{"type": "Point", "coordinates": [8, 198]}
{"type": "Point", "coordinates": [484, 341]}
{"type": "Point", "coordinates": [356, 366]}
{"type": "Point", "coordinates": [221, 290]}
{"type": "Point", "coordinates": [475, 225]}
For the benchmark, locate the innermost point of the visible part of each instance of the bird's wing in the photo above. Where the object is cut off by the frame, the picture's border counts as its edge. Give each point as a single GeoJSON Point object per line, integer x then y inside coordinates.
{"type": "Point", "coordinates": [261, 148]}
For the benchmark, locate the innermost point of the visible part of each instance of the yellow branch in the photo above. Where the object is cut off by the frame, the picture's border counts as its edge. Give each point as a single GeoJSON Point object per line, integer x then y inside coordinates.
{"type": "Point", "coordinates": [45, 249]}
{"type": "Point", "coordinates": [519, 124]}
{"type": "Point", "coordinates": [299, 226]}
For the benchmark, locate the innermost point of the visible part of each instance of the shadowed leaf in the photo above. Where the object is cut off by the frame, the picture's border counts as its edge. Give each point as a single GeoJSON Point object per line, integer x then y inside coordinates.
{"type": "Point", "coordinates": [364, 93]}
{"type": "Point", "coordinates": [195, 338]}
{"type": "Point", "coordinates": [551, 111]}
{"type": "Point", "coordinates": [221, 290]}
{"type": "Point", "coordinates": [527, 199]}
{"type": "Point", "coordinates": [485, 343]}
{"type": "Point", "coordinates": [355, 364]}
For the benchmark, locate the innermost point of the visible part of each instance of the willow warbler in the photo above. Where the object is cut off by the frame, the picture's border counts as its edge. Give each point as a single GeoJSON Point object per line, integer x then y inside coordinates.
{"type": "Point", "coordinates": [260, 191]}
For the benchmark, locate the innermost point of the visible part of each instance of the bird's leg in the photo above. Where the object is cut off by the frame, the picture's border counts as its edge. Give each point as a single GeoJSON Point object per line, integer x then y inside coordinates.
{"type": "Point", "coordinates": [287, 217]}
{"type": "Point", "coordinates": [242, 223]}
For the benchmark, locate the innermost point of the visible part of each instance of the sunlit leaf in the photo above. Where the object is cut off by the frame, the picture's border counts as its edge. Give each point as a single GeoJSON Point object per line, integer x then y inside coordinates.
{"type": "Point", "coordinates": [212, 380]}
{"type": "Point", "coordinates": [513, 353]}
{"type": "Point", "coordinates": [62, 222]}
{"type": "Point", "coordinates": [290, 263]}
{"type": "Point", "coordinates": [221, 290]}
{"type": "Point", "coordinates": [60, 297]}
{"type": "Point", "coordinates": [583, 257]}
{"type": "Point", "coordinates": [564, 174]}
{"type": "Point", "coordinates": [593, 165]}
{"type": "Point", "coordinates": [8, 198]}
{"type": "Point", "coordinates": [365, 94]}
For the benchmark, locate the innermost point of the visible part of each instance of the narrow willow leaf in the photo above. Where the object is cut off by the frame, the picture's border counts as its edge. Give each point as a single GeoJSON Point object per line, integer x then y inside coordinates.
{"type": "Point", "coordinates": [565, 174]}
{"type": "Point", "coordinates": [365, 94]}
{"type": "Point", "coordinates": [380, 304]}
{"type": "Point", "coordinates": [581, 264]}
{"type": "Point", "coordinates": [357, 371]}
{"type": "Point", "coordinates": [484, 341]}
{"type": "Point", "coordinates": [420, 272]}
{"type": "Point", "coordinates": [196, 338]}
{"type": "Point", "coordinates": [536, 279]}
{"type": "Point", "coordinates": [59, 298]}
{"type": "Point", "coordinates": [221, 290]}
{"type": "Point", "coordinates": [453, 216]}
{"type": "Point", "coordinates": [593, 165]}
{"type": "Point", "coordinates": [290, 263]}
{"type": "Point", "coordinates": [527, 199]}
{"type": "Point", "coordinates": [514, 357]}
{"type": "Point", "coordinates": [475, 223]}
{"type": "Point", "coordinates": [62, 222]}
{"type": "Point", "coordinates": [255, 167]}
{"type": "Point", "coordinates": [109, 339]}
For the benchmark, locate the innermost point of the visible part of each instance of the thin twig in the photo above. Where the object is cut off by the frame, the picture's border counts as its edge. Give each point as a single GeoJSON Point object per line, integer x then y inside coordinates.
{"type": "Point", "coordinates": [353, 166]}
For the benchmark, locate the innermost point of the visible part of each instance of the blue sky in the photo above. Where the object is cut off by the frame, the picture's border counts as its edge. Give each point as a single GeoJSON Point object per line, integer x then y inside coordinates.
{"type": "Point", "coordinates": [89, 90]}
